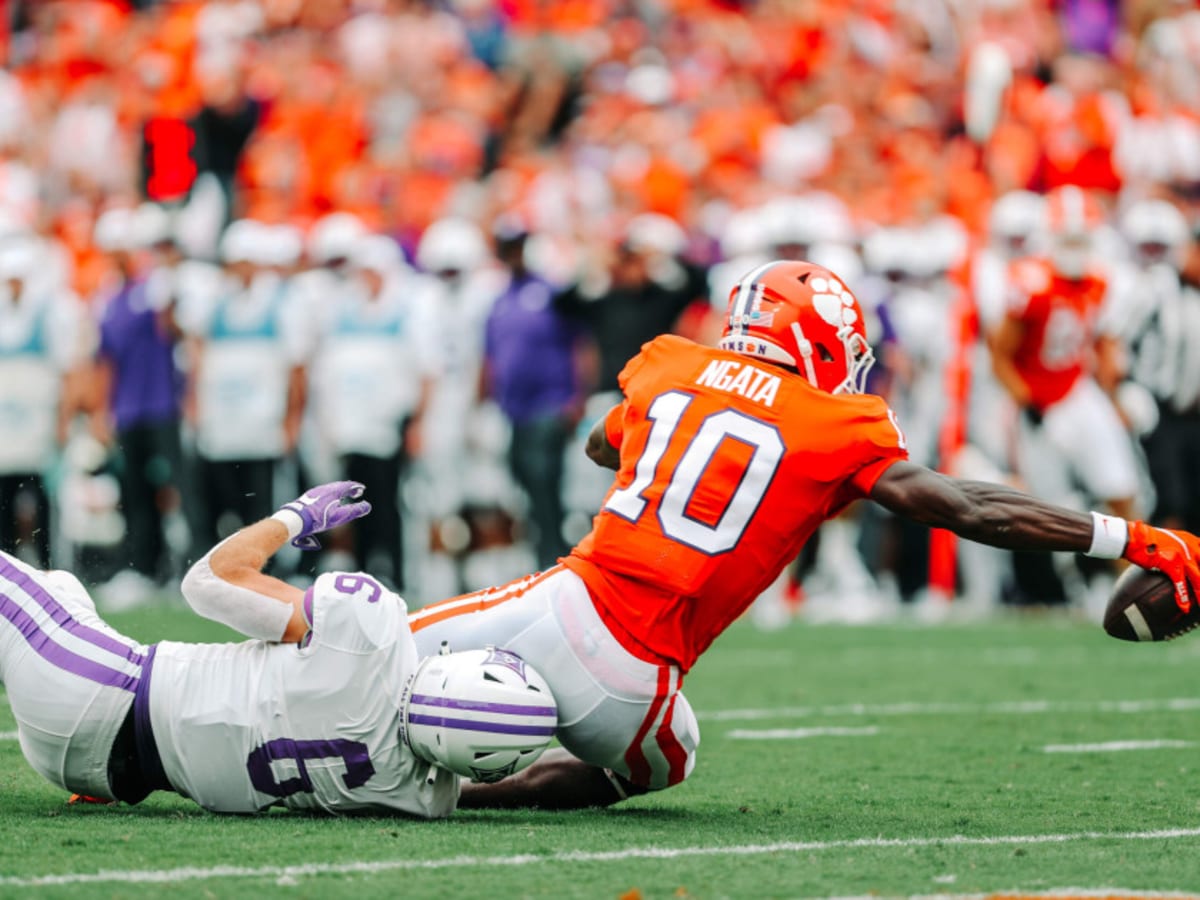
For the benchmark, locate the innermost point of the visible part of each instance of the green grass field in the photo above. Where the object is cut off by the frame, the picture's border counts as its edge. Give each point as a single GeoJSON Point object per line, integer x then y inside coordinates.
{"type": "Point", "coordinates": [836, 761]}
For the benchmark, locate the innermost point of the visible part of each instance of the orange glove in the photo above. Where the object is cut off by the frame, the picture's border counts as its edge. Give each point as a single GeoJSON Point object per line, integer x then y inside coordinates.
{"type": "Point", "coordinates": [1174, 553]}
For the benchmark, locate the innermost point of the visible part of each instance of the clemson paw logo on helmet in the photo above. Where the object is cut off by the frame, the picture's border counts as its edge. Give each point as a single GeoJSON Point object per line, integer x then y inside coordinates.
{"type": "Point", "coordinates": [833, 302]}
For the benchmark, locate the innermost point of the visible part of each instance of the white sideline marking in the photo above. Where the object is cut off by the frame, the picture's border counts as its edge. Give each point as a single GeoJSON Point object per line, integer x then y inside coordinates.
{"type": "Point", "coordinates": [1012, 707]}
{"type": "Point", "coordinates": [8, 735]}
{"type": "Point", "coordinates": [1116, 746]}
{"type": "Point", "coordinates": [189, 873]}
{"type": "Point", "coordinates": [794, 734]}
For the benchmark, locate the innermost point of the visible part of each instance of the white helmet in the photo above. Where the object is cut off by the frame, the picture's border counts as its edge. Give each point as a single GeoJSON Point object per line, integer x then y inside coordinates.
{"type": "Point", "coordinates": [482, 714]}
{"type": "Point", "coordinates": [1017, 220]}
{"type": "Point", "coordinates": [1156, 229]}
{"type": "Point", "coordinates": [115, 229]}
{"type": "Point", "coordinates": [243, 242]}
{"type": "Point", "coordinates": [334, 237]}
{"type": "Point", "coordinates": [452, 244]}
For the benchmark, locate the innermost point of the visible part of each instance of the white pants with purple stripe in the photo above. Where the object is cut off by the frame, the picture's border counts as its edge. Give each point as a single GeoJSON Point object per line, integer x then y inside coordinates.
{"type": "Point", "coordinates": [70, 677]}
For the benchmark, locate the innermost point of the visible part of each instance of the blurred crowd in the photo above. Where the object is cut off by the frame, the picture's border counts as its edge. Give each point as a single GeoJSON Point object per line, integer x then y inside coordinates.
{"type": "Point", "coordinates": [249, 245]}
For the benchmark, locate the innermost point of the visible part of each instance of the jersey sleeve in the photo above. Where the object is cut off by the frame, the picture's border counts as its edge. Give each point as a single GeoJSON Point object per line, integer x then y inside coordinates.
{"type": "Point", "coordinates": [879, 443]}
{"type": "Point", "coordinates": [352, 612]}
{"type": "Point", "coordinates": [614, 424]}
{"type": "Point", "coordinates": [632, 367]}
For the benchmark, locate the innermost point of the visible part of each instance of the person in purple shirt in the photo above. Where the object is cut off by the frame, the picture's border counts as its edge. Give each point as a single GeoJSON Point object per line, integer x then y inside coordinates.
{"type": "Point", "coordinates": [137, 409]}
{"type": "Point", "coordinates": [531, 371]}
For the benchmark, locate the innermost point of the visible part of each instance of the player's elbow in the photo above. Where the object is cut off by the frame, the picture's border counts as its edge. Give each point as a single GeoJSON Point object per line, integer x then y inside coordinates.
{"type": "Point", "coordinates": [203, 580]}
{"type": "Point", "coordinates": [193, 585]}
{"type": "Point", "coordinates": [600, 451]}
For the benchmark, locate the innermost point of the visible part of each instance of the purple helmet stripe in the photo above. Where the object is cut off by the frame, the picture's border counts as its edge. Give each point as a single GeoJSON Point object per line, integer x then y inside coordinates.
{"type": "Point", "coordinates": [512, 709]}
{"type": "Point", "coordinates": [43, 645]}
{"type": "Point", "coordinates": [63, 618]}
{"type": "Point", "coordinates": [490, 727]}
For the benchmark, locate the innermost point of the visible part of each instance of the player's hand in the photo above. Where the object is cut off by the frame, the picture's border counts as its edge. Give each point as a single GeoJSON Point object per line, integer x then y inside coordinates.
{"type": "Point", "coordinates": [1174, 553]}
{"type": "Point", "coordinates": [324, 507]}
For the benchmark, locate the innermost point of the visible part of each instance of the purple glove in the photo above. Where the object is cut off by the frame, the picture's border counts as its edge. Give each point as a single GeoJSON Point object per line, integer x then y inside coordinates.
{"type": "Point", "coordinates": [320, 509]}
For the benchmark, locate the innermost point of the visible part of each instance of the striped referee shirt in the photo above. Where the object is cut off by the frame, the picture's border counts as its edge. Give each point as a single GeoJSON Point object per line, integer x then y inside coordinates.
{"type": "Point", "coordinates": [1161, 324]}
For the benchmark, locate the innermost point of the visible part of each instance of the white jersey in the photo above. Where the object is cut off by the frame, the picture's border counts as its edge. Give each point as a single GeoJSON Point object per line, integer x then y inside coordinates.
{"type": "Point", "coordinates": [252, 340]}
{"type": "Point", "coordinates": [39, 340]}
{"type": "Point", "coordinates": [242, 727]}
{"type": "Point", "coordinates": [368, 372]}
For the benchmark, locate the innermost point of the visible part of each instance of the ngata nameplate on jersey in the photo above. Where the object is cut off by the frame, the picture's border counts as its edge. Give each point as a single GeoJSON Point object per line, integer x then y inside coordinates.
{"type": "Point", "coordinates": [741, 378]}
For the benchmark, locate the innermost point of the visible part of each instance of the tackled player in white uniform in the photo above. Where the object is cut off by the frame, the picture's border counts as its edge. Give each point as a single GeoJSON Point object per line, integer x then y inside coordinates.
{"type": "Point", "coordinates": [328, 708]}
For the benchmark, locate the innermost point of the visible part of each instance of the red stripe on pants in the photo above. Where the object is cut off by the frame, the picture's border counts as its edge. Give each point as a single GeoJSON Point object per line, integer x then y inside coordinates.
{"type": "Point", "coordinates": [670, 746]}
{"type": "Point", "coordinates": [635, 757]}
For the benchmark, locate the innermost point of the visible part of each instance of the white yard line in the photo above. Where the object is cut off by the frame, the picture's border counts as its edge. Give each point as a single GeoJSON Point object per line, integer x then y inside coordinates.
{"type": "Point", "coordinates": [8, 735]}
{"type": "Point", "coordinates": [795, 734]}
{"type": "Point", "coordinates": [287, 874]}
{"type": "Point", "coordinates": [1012, 707]}
{"type": "Point", "coordinates": [1118, 746]}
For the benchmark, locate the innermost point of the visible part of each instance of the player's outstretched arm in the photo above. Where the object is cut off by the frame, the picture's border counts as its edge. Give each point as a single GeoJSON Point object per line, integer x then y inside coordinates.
{"type": "Point", "coordinates": [1002, 517]}
{"type": "Point", "coordinates": [228, 585]}
{"type": "Point", "coordinates": [556, 781]}
{"type": "Point", "coordinates": [981, 511]}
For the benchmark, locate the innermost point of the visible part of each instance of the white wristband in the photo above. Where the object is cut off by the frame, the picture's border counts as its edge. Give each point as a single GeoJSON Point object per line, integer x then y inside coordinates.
{"type": "Point", "coordinates": [291, 521]}
{"type": "Point", "coordinates": [1109, 536]}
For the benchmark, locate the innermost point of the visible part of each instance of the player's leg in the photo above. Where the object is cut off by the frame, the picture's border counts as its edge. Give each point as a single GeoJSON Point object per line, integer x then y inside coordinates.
{"type": "Point", "coordinates": [1086, 428]}
{"type": "Point", "coordinates": [9, 531]}
{"type": "Point", "coordinates": [631, 717]}
{"type": "Point", "coordinates": [536, 458]}
{"type": "Point", "coordinates": [1169, 461]}
{"type": "Point", "coordinates": [377, 547]}
{"type": "Point", "coordinates": [622, 718]}
{"type": "Point", "coordinates": [41, 534]}
{"type": "Point", "coordinates": [255, 490]}
{"type": "Point", "coordinates": [70, 677]}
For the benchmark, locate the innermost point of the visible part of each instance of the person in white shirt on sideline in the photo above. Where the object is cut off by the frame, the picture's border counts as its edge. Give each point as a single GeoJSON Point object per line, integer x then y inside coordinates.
{"type": "Point", "coordinates": [41, 342]}
{"type": "Point", "coordinates": [372, 375]}
{"type": "Point", "coordinates": [247, 384]}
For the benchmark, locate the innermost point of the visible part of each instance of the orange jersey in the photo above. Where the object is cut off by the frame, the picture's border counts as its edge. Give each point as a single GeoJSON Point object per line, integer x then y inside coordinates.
{"type": "Point", "coordinates": [727, 466]}
{"type": "Point", "coordinates": [1059, 318]}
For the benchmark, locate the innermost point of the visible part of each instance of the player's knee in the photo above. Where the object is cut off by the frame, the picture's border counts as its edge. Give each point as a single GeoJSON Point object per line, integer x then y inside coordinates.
{"type": "Point", "coordinates": [669, 754]}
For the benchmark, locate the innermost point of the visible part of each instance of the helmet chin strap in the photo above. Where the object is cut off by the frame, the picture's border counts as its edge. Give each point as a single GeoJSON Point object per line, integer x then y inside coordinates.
{"type": "Point", "coordinates": [806, 352]}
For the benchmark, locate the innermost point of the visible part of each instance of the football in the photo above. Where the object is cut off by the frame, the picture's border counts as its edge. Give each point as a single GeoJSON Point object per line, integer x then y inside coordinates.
{"type": "Point", "coordinates": [1143, 608]}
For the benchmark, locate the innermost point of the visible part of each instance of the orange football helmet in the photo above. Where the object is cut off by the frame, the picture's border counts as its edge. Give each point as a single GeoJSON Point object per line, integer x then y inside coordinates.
{"type": "Point", "coordinates": [800, 315]}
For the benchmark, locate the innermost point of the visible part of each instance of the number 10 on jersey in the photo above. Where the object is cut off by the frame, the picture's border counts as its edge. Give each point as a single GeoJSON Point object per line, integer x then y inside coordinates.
{"type": "Point", "coordinates": [693, 471]}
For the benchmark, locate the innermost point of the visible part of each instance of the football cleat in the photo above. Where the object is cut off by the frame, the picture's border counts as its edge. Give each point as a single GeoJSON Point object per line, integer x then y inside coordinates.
{"type": "Point", "coordinates": [75, 799]}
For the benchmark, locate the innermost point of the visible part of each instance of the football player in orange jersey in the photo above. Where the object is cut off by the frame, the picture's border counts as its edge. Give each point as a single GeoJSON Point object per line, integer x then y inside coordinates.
{"type": "Point", "coordinates": [1048, 352]}
{"type": "Point", "coordinates": [727, 459]}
